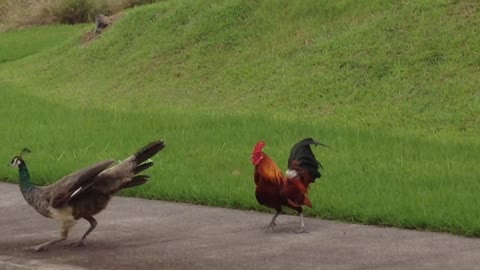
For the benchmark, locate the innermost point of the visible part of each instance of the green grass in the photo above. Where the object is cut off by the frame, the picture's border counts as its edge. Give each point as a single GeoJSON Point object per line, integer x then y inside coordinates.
{"type": "Point", "coordinates": [22, 43]}
{"type": "Point", "coordinates": [391, 86]}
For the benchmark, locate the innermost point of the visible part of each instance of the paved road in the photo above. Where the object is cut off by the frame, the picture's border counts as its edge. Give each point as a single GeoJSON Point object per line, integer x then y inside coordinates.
{"type": "Point", "coordinates": [143, 234]}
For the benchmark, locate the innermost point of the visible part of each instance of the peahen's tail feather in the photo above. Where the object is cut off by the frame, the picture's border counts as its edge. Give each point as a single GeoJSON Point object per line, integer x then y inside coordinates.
{"type": "Point", "coordinates": [142, 167]}
{"type": "Point", "coordinates": [148, 151]}
{"type": "Point", "coordinates": [137, 180]}
{"type": "Point", "coordinates": [142, 163]}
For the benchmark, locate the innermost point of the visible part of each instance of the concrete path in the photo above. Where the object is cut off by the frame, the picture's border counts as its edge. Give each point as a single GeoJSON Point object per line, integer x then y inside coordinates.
{"type": "Point", "coordinates": [143, 234]}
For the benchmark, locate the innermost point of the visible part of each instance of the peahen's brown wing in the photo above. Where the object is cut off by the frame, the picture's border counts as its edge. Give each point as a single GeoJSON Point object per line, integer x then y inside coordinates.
{"type": "Point", "coordinates": [61, 192]}
{"type": "Point", "coordinates": [125, 174]}
{"type": "Point", "coordinates": [111, 179]}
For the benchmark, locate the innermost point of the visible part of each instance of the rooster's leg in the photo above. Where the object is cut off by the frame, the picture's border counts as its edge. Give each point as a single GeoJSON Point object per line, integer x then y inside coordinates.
{"type": "Point", "coordinates": [66, 226]}
{"type": "Point", "coordinates": [302, 225]}
{"type": "Point", "coordinates": [272, 224]}
{"type": "Point", "coordinates": [93, 224]}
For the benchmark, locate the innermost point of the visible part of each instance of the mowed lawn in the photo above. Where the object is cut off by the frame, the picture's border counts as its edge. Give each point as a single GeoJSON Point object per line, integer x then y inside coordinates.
{"type": "Point", "coordinates": [400, 118]}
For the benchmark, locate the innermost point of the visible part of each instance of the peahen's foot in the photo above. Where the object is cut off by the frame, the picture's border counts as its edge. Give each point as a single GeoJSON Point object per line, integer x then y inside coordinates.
{"type": "Point", "coordinates": [76, 244]}
{"type": "Point", "coordinates": [37, 248]}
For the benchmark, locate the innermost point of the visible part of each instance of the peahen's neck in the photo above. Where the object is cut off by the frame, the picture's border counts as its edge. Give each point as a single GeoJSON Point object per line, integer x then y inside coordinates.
{"type": "Point", "coordinates": [26, 184]}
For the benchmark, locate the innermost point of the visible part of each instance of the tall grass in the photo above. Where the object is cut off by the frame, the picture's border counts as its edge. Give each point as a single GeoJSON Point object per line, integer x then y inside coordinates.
{"type": "Point", "coordinates": [371, 175]}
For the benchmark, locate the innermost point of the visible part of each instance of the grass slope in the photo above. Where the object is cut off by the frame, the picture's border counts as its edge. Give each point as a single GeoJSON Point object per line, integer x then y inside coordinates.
{"type": "Point", "coordinates": [390, 85]}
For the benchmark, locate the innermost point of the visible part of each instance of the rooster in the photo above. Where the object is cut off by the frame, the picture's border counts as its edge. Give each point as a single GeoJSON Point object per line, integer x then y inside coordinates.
{"type": "Point", "coordinates": [275, 189]}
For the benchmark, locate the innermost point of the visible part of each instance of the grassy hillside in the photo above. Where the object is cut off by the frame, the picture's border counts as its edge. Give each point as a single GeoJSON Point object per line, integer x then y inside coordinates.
{"type": "Point", "coordinates": [390, 85]}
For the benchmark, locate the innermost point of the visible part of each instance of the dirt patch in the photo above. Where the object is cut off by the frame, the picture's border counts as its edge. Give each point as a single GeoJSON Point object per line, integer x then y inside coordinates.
{"type": "Point", "coordinates": [464, 8]}
{"type": "Point", "coordinates": [90, 36]}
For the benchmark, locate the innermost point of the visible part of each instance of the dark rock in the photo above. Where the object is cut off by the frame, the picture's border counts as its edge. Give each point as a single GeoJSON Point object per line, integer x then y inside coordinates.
{"type": "Point", "coordinates": [101, 22]}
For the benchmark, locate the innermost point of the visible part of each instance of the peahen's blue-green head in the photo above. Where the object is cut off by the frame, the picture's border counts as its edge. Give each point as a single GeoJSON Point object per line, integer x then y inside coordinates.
{"type": "Point", "coordinates": [17, 161]}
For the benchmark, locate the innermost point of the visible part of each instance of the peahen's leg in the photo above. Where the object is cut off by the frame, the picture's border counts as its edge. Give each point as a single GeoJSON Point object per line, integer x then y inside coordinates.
{"type": "Point", "coordinates": [93, 224]}
{"type": "Point", "coordinates": [272, 224]}
{"type": "Point", "coordinates": [66, 226]}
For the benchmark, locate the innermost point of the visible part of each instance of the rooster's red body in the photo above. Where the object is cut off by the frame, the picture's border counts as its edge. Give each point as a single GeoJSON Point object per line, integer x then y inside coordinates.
{"type": "Point", "coordinates": [275, 189]}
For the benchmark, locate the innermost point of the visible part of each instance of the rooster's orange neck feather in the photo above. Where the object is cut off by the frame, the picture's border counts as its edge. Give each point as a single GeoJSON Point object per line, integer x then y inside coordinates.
{"type": "Point", "coordinates": [270, 171]}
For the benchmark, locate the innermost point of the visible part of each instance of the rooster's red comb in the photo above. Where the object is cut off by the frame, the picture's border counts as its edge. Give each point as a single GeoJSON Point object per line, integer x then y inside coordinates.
{"type": "Point", "coordinates": [259, 147]}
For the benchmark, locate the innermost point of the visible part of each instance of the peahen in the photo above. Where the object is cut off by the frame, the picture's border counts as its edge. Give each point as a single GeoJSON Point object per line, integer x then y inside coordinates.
{"type": "Point", "coordinates": [83, 193]}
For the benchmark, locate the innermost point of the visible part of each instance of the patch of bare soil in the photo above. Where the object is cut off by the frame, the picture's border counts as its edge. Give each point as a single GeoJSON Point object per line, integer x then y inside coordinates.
{"type": "Point", "coordinates": [91, 35]}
